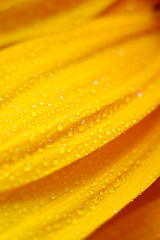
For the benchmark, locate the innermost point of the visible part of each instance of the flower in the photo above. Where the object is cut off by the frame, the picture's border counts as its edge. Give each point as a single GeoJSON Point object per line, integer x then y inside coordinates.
{"type": "Point", "coordinates": [79, 126]}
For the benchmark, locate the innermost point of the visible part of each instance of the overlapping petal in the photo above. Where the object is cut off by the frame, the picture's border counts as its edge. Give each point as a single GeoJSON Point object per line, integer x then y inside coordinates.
{"type": "Point", "coordinates": [23, 19]}
{"type": "Point", "coordinates": [74, 201]}
{"type": "Point", "coordinates": [79, 126]}
{"type": "Point", "coordinates": [139, 220]}
{"type": "Point", "coordinates": [52, 115]}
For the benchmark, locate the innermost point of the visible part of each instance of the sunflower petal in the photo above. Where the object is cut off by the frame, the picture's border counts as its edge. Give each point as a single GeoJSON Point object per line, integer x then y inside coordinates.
{"type": "Point", "coordinates": [66, 113]}
{"type": "Point", "coordinates": [139, 220]}
{"type": "Point", "coordinates": [23, 19]}
{"type": "Point", "coordinates": [74, 201]}
{"type": "Point", "coordinates": [76, 142]}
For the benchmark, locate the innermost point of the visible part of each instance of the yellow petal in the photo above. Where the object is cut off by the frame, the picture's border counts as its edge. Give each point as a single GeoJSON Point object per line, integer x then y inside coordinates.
{"type": "Point", "coordinates": [64, 165]}
{"type": "Point", "coordinates": [64, 114]}
{"type": "Point", "coordinates": [23, 19]}
{"type": "Point", "coordinates": [74, 201]}
{"type": "Point", "coordinates": [139, 220]}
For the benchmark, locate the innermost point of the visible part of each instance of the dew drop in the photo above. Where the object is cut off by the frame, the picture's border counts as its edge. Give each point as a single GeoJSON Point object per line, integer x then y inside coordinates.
{"type": "Point", "coordinates": [80, 211]}
{"type": "Point", "coordinates": [81, 127]}
{"type": "Point", "coordinates": [140, 94]}
{"type": "Point", "coordinates": [27, 167]}
{"type": "Point", "coordinates": [95, 140]}
{"type": "Point", "coordinates": [91, 124]}
{"type": "Point", "coordinates": [34, 114]}
{"type": "Point", "coordinates": [53, 197]}
{"type": "Point", "coordinates": [117, 183]}
{"type": "Point", "coordinates": [98, 119]}
{"type": "Point", "coordinates": [70, 132]}
{"type": "Point", "coordinates": [108, 132]}
{"type": "Point", "coordinates": [60, 127]}
{"type": "Point", "coordinates": [95, 82]}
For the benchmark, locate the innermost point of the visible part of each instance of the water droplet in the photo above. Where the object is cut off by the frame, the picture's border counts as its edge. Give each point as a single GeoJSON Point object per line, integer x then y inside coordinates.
{"type": "Point", "coordinates": [117, 183]}
{"type": "Point", "coordinates": [95, 82]}
{"type": "Point", "coordinates": [94, 184]}
{"type": "Point", "coordinates": [53, 196]}
{"type": "Point", "coordinates": [91, 124]}
{"type": "Point", "coordinates": [81, 127]}
{"type": "Point", "coordinates": [27, 167]}
{"type": "Point", "coordinates": [80, 211]}
{"type": "Point", "coordinates": [60, 127]}
{"type": "Point", "coordinates": [140, 94]}
{"type": "Point", "coordinates": [98, 118]}
{"type": "Point", "coordinates": [108, 132]}
{"type": "Point", "coordinates": [34, 114]}
{"type": "Point", "coordinates": [70, 132]}
{"type": "Point", "coordinates": [95, 140]}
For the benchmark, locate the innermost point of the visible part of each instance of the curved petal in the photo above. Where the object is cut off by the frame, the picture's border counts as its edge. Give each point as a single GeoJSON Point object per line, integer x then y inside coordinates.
{"type": "Point", "coordinates": [74, 201]}
{"type": "Point", "coordinates": [23, 19]}
{"type": "Point", "coordinates": [76, 145]}
{"type": "Point", "coordinates": [57, 119]}
{"type": "Point", "coordinates": [139, 220]}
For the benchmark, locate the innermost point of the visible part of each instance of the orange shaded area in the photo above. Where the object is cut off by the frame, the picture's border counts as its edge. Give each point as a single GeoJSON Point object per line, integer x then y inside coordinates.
{"type": "Point", "coordinates": [139, 220]}
{"type": "Point", "coordinates": [27, 12]}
